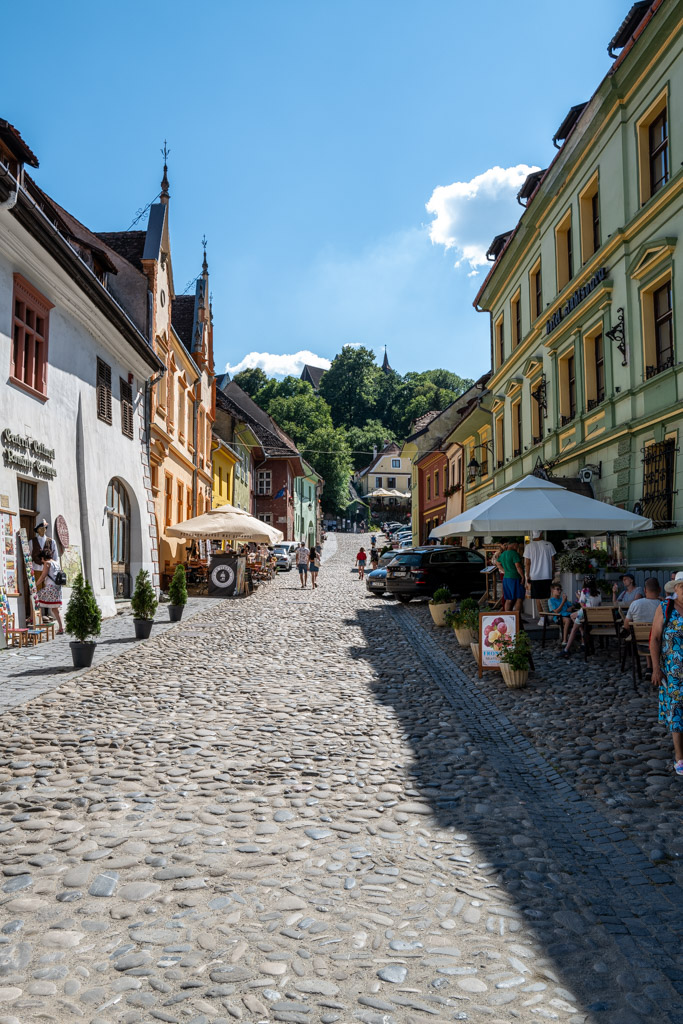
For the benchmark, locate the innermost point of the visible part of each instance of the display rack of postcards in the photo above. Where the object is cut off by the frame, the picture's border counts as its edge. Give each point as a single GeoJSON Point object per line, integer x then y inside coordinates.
{"type": "Point", "coordinates": [8, 555]}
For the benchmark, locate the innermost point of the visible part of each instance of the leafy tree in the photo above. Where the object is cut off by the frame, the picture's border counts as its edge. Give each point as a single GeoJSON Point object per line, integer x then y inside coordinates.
{"type": "Point", "coordinates": [295, 407]}
{"type": "Point", "coordinates": [362, 439]}
{"type": "Point", "coordinates": [327, 450]}
{"type": "Point", "coordinates": [251, 380]}
{"type": "Point", "coordinates": [350, 386]}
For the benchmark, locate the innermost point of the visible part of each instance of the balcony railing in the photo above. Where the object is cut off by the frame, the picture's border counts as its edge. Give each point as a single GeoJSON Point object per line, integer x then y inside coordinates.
{"type": "Point", "coordinates": [564, 420]}
{"type": "Point", "coordinates": [537, 438]}
{"type": "Point", "coordinates": [664, 364]}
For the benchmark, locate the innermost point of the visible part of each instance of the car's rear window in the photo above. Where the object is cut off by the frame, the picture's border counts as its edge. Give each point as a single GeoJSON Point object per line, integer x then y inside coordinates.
{"type": "Point", "coordinates": [408, 559]}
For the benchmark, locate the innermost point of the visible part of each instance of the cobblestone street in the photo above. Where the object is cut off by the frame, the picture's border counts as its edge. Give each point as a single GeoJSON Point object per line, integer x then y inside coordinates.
{"type": "Point", "coordinates": [303, 807]}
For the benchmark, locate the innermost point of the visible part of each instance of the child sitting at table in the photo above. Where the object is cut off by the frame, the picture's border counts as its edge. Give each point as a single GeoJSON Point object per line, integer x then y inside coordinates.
{"type": "Point", "coordinates": [559, 604]}
{"type": "Point", "coordinates": [589, 597]}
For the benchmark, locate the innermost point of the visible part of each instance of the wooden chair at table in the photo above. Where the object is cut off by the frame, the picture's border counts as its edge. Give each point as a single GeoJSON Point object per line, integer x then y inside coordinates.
{"type": "Point", "coordinates": [603, 623]}
{"type": "Point", "coordinates": [637, 646]}
{"type": "Point", "coordinates": [548, 619]}
{"type": "Point", "coordinates": [15, 636]}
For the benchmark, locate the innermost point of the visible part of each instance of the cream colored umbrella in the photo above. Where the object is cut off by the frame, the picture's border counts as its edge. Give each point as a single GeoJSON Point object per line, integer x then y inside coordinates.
{"type": "Point", "coordinates": [226, 523]}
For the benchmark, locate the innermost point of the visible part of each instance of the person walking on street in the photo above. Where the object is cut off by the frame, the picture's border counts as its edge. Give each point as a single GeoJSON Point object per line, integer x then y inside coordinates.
{"type": "Point", "coordinates": [313, 566]}
{"type": "Point", "coordinates": [302, 563]}
{"type": "Point", "coordinates": [49, 591]}
{"type": "Point", "coordinates": [666, 650]}
{"type": "Point", "coordinates": [539, 565]}
{"type": "Point", "coordinates": [361, 559]}
{"type": "Point", "coordinates": [510, 561]}
{"type": "Point", "coordinates": [374, 556]}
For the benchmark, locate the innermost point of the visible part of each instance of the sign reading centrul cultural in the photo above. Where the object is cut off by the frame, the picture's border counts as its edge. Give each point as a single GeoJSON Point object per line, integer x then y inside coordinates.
{"type": "Point", "coordinates": [27, 455]}
{"type": "Point", "coordinates": [573, 301]}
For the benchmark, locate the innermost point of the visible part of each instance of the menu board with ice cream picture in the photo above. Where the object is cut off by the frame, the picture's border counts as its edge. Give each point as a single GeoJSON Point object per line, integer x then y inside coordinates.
{"type": "Point", "coordinates": [494, 627]}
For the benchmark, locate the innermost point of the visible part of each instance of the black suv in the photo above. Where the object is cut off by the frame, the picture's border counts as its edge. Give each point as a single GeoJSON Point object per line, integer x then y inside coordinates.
{"type": "Point", "coordinates": [421, 571]}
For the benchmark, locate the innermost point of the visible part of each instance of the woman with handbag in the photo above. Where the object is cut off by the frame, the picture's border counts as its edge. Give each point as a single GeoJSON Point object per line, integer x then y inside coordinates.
{"type": "Point", "coordinates": [49, 585]}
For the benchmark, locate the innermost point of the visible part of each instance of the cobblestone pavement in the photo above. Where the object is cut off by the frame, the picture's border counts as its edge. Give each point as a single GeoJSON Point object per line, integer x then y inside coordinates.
{"type": "Point", "coordinates": [299, 808]}
{"type": "Point", "coordinates": [27, 672]}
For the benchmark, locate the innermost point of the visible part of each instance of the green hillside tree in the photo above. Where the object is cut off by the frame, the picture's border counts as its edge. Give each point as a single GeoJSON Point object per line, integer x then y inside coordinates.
{"type": "Point", "coordinates": [350, 386]}
{"type": "Point", "coordinates": [251, 380]}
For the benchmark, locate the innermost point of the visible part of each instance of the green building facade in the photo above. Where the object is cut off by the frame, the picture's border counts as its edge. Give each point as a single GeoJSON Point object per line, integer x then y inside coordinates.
{"type": "Point", "coordinates": [585, 296]}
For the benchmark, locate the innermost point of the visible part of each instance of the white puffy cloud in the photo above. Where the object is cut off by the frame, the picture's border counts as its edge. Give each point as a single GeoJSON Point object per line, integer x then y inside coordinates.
{"type": "Point", "coordinates": [469, 214]}
{"type": "Point", "coordinates": [276, 365]}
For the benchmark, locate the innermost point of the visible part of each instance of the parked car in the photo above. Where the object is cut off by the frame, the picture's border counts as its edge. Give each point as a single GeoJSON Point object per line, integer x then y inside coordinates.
{"type": "Point", "coordinates": [405, 544]}
{"type": "Point", "coordinates": [285, 555]}
{"type": "Point", "coordinates": [420, 571]}
{"type": "Point", "coordinates": [376, 580]}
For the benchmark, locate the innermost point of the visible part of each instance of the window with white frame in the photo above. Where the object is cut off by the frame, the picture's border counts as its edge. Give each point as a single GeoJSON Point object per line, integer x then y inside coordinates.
{"type": "Point", "coordinates": [264, 482]}
{"type": "Point", "coordinates": [395, 463]}
{"type": "Point", "coordinates": [266, 517]}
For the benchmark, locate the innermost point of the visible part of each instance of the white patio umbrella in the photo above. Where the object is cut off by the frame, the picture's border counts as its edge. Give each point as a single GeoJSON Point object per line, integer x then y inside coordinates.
{"type": "Point", "coordinates": [387, 492]}
{"type": "Point", "coordinates": [536, 504]}
{"type": "Point", "coordinates": [226, 523]}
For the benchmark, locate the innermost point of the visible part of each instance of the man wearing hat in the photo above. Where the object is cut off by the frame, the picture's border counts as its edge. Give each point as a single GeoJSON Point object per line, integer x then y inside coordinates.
{"type": "Point", "coordinates": [38, 546]}
{"type": "Point", "coordinates": [539, 562]}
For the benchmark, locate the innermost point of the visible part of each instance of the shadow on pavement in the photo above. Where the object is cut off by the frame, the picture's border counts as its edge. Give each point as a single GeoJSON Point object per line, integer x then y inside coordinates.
{"type": "Point", "coordinates": [613, 933]}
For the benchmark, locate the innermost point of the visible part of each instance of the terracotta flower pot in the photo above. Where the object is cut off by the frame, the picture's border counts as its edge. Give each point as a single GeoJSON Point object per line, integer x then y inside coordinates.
{"type": "Point", "coordinates": [514, 678]}
{"type": "Point", "coordinates": [465, 637]}
{"type": "Point", "coordinates": [438, 612]}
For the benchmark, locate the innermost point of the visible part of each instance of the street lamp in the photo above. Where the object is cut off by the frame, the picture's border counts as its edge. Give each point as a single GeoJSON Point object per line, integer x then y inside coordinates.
{"type": "Point", "coordinates": [474, 469]}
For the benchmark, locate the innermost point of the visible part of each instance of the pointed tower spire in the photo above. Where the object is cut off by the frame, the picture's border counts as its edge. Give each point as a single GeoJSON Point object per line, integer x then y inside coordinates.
{"type": "Point", "coordinates": [385, 363]}
{"type": "Point", "coordinates": [165, 194]}
{"type": "Point", "coordinates": [205, 265]}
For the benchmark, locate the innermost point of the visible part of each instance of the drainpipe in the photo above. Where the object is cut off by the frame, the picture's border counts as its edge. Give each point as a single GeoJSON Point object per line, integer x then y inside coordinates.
{"type": "Point", "coordinates": [195, 457]}
{"type": "Point", "coordinates": [149, 384]}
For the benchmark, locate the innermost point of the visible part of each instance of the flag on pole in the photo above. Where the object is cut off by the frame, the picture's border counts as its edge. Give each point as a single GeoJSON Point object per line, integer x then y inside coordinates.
{"type": "Point", "coordinates": [281, 492]}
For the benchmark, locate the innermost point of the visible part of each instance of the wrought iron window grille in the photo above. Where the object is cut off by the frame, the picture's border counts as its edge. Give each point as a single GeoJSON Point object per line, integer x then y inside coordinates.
{"type": "Point", "coordinates": [537, 438]}
{"type": "Point", "coordinates": [618, 334]}
{"type": "Point", "coordinates": [658, 480]}
{"type": "Point", "coordinates": [516, 452]}
{"type": "Point", "coordinates": [593, 403]}
{"type": "Point", "coordinates": [564, 420]}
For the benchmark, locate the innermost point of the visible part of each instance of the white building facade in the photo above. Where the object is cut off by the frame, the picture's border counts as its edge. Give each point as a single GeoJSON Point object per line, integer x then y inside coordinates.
{"type": "Point", "coordinates": [73, 400]}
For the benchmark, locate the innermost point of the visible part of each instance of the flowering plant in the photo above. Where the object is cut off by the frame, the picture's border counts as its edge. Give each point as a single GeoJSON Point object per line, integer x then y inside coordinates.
{"type": "Point", "coordinates": [514, 651]}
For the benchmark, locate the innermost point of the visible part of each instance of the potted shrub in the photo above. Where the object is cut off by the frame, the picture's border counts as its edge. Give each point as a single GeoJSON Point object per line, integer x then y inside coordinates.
{"type": "Point", "coordinates": [514, 659]}
{"type": "Point", "coordinates": [144, 604]}
{"type": "Point", "coordinates": [83, 619]}
{"type": "Point", "coordinates": [441, 603]}
{"type": "Point", "coordinates": [177, 594]}
{"type": "Point", "coordinates": [465, 621]}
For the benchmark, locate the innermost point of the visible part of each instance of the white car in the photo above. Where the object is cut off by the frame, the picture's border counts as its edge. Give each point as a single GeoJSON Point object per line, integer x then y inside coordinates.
{"type": "Point", "coordinates": [285, 554]}
{"type": "Point", "coordinates": [404, 545]}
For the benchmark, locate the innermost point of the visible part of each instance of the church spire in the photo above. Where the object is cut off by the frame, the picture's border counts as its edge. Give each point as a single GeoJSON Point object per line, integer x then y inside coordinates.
{"type": "Point", "coordinates": [165, 194]}
{"type": "Point", "coordinates": [385, 363]}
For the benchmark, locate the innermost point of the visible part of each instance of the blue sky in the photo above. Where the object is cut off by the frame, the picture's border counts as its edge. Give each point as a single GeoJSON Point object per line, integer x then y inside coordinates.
{"type": "Point", "coordinates": [307, 138]}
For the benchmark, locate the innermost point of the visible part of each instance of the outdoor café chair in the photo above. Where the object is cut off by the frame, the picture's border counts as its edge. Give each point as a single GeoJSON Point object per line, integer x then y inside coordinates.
{"type": "Point", "coordinates": [637, 646]}
{"type": "Point", "coordinates": [548, 619]}
{"type": "Point", "coordinates": [601, 623]}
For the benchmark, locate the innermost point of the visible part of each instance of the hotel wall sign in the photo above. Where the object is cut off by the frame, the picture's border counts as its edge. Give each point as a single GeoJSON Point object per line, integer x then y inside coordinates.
{"type": "Point", "coordinates": [27, 455]}
{"type": "Point", "coordinates": [573, 301]}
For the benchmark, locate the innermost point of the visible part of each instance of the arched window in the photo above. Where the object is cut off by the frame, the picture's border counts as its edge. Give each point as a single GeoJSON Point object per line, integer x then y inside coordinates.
{"type": "Point", "coordinates": [118, 514]}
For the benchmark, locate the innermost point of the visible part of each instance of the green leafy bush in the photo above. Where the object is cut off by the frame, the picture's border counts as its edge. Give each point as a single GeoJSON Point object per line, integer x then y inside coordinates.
{"type": "Point", "coordinates": [572, 561]}
{"type": "Point", "coordinates": [442, 595]}
{"type": "Point", "coordinates": [83, 615]}
{"type": "Point", "coordinates": [177, 592]}
{"type": "Point", "coordinates": [144, 600]}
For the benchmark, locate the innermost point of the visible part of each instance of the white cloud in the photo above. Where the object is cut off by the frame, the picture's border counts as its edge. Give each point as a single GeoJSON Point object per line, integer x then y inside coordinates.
{"type": "Point", "coordinates": [275, 365]}
{"type": "Point", "coordinates": [469, 214]}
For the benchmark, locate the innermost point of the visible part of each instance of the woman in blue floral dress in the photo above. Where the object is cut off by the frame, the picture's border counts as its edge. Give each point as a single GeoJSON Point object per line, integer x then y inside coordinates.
{"type": "Point", "coordinates": [666, 648]}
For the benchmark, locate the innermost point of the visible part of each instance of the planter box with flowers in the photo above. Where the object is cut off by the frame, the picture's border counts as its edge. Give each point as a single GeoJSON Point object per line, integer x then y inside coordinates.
{"type": "Point", "coordinates": [465, 621]}
{"type": "Point", "coordinates": [515, 659]}
{"type": "Point", "coordinates": [441, 603]}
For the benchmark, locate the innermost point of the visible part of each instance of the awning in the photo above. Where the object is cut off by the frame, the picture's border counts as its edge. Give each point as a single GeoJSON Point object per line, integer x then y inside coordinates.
{"type": "Point", "coordinates": [536, 504]}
